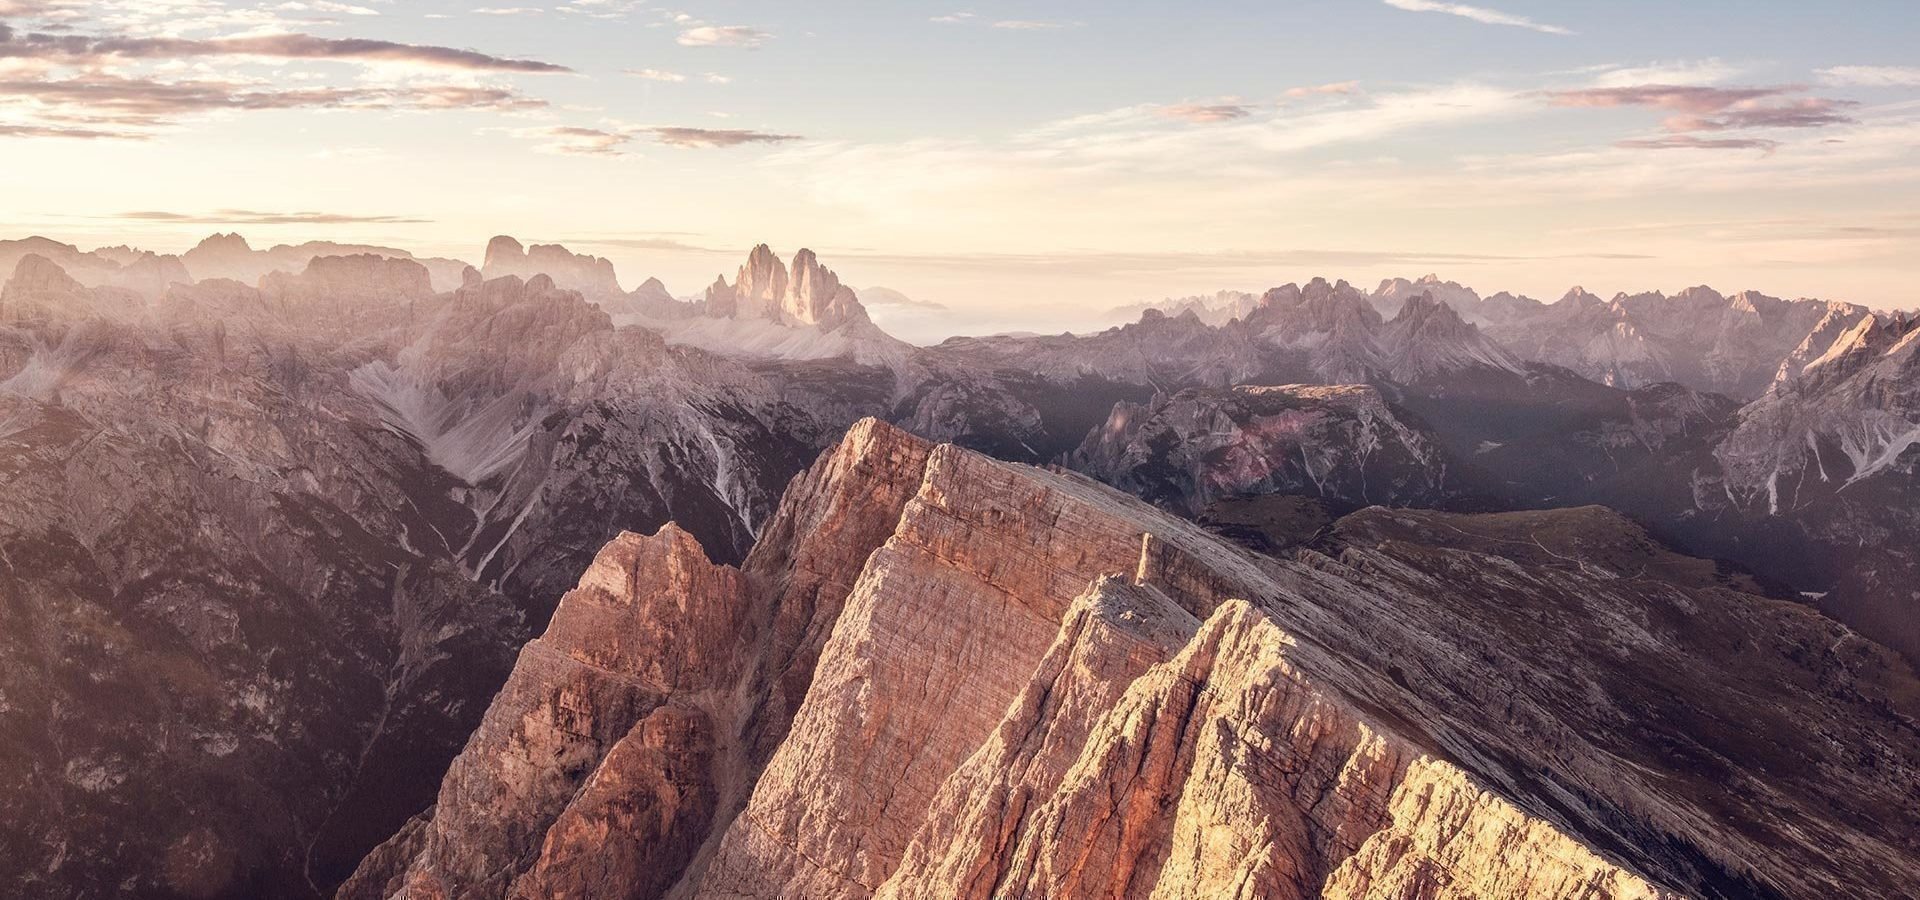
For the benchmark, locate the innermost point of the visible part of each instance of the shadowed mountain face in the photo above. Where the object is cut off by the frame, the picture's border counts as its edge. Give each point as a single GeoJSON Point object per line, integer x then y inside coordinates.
{"type": "Point", "coordinates": [274, 547]}
{"type": "Point", "coordinates": [269, 548]}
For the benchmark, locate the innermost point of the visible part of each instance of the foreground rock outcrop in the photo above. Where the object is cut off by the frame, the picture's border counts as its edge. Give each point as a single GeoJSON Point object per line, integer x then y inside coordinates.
{"type": "Point", "coordinates": [940, 675]}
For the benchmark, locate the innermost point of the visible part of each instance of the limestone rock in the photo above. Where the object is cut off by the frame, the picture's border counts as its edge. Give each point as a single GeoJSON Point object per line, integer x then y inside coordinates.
{"type": "Point", "coordinates": [933, 693]}
{"type": "Point", "coordinates": [592, 276]}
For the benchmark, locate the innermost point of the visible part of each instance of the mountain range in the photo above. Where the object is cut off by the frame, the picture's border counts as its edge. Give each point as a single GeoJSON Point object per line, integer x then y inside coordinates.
{"type": "Point", "coordinates": [331, 568]}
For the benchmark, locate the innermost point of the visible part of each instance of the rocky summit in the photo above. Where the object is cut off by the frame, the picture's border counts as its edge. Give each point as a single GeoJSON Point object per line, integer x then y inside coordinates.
{"type": "Point", "coordinates": [913, 687]}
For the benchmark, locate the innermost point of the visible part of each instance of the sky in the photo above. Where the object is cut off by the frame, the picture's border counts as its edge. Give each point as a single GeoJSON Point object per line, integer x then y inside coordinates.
{"type": "Point", "coordinates": [1021, 165]}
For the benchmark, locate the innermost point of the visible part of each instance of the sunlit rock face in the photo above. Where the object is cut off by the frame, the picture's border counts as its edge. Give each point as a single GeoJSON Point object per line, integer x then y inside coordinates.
{"type": "Point", "coordinates": [806, 293]}
{"type": "Point", "coordinates": [773, 311]}
{"type": "Point", "coordinates": [592, 276]}
{"type": "Point", "coordinates": [914, 688]}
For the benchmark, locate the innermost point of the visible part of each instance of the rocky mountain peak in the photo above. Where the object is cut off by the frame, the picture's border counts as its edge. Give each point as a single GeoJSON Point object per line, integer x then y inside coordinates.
{"type": "Point", "coordinates": [1429, 338]}
{"type": "Point", "coordinates": [36, 274]}
{"type": "Point", "coordinates": [231, 242]}
{"type": "Point", "coordinates": [503, 250]}
{"type": "Point", "coordinates": [1423, 305]}
{"type": "Point", "coordinates": [1285, 295]}
{"type": "Point", "coordinates": [1701, 293]}
{"type": "Point", "coordinates": [805, 293]}
{"type": "Point", "coordinates": [1580, 298]}
{"type": "Point", "coordinates": [653, 289]}
{"type": "Point", "coordinates": [1392, 292]}
{"type": "Point", "coordinates": [360, 276]}
{"type": "Point", "coordinates": [590, 275]}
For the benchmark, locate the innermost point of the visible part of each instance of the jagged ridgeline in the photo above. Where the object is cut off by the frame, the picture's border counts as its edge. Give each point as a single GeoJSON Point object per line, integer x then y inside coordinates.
{"type": "Point", "coordinates": [285, 533]}
{"type": "Point", "coordinates": [914, 688]}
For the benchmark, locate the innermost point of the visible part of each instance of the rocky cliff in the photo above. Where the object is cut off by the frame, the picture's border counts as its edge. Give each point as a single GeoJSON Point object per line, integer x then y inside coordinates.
{"type": "Point", "coordinates": [915, 687]}
{"type": "Point", "coordinates": [1344, 445]}
{"type": "Point", "coordinates": [592, 276]}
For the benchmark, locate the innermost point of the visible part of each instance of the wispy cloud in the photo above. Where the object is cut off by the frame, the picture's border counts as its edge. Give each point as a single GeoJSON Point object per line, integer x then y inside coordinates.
{"type": "Point", "coordinates": [657, 75]}
{"type": "Point", "coordinates": [1871, 76]}
{"type": "Point", "coordinates": [618, 140]}
{"type": "Point", "coordinates": [1703, 108]}
{"type": "Point", "coordinates": [60, 131]}
{"type": "Point", "coordinates": [967, 18]}
{"type": "Point", "coordinates": [1034, 25]}
{"type": "Point", "coordinates": [327, 6]}
{"type": "Point", "coordinates": [716, 137]}
{"type": "Point", "coordinates": [1692, 142]}
{"type": "Point", "coordinates": [650, 243]}
{"type": "Point", "coordinates": [1206, 113]}
{"type": "Point", "coordinates": [1081, 170]}
{"type": "Point", "coordinates": [1479, 14]}
{"type": "Point", "coordinates": [1337, 87]}
{"type": "Point", "coordinates": [81, 50]}
{"type": "Point", "coordinates": [130, 107]}
{"type": "Point", "coordinates": [257, 217]}
{"type": "Point", "coordinates": [573, 140]}
{"type": "Point", "coordinates": [724, 36]}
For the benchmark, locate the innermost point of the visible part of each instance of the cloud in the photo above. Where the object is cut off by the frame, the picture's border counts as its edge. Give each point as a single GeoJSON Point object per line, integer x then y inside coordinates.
{"type": "Point", "coordinates": [716, 137]}
{"type": "Point", "coordinates": [327, 6]}
{"type": "Point", "coordinates": [1108, 172]}
{"type": "Point", "coordinates": [131, 108]}
{"type": "Point", "coordinates": [600, 9]}
{"type": "Point", "coordinates": [1702, 108]}
{"type": "Point", "coordinates": [570, 140]}
{"type": "Point", "coordinates": [29, 9]}
{"type": "Point", "coordinates": [1712, 70]}
{"type": "Point", "coordinates": [617, 141]}
{"type": "Point", "coordinates": [723, 36]}
{"type": "Point", "coordinates": [1338, 87]}
{"type": "Point", "coordinates": [256, 217]}
{"type": "Point", "coordinates": [967, 18]}
{"type": "Point", "coordinates": [878, 296]}
{"type": "Point", "coordinates": [650, 243]}
{"type": "Point", "coordinates": [8, 130]}
{"type": "Point", "coordinates": [508, 11]}
{"type": "Point", "coordinates": [1080, 263]}
{"type": "Point", "coordinates": [1478, 14]}
{"type": "Point", "coordinates": [1206, 113]}
{"type": "Point", "coordinates": [1690, 142]}
{"type": "Point", "coordinates": [1806, 112]}
{"type": "Point", "coordinates": [157, 99]}
{"type": "Point", "coordinates": [80, 50]}
{"type": "Point", "coordinates": [1871, 76]}
{"type": "Point", "coordinates": [657, 75]}
{"type": "Point", "coordinates": [1682, 98]}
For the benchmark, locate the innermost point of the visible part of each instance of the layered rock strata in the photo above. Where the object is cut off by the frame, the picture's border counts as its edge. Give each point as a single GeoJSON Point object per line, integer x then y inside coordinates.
{"type": "Point", "coordinates": [940, 675]}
